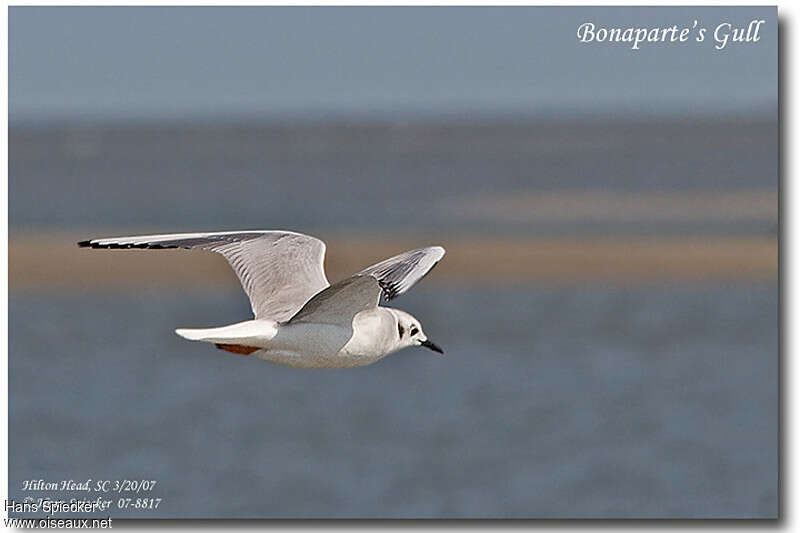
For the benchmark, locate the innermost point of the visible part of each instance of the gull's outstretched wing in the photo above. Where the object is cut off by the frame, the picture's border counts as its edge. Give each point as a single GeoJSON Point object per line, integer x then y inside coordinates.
{"type": "Point", "coordinates": [279, 270]}
{"type": "Point", "coordinates": [399, 273]}
{"type": "Point", "coordinates": [340, 302]}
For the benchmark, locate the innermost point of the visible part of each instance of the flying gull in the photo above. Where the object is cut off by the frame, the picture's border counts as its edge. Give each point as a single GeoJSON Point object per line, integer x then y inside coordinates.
{"type": "Point", "coordinates": [300, 319]}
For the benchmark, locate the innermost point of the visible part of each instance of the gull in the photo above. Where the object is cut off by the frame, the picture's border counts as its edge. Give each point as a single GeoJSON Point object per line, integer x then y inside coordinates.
{"type": "Point", "coordinates": [301, 320]}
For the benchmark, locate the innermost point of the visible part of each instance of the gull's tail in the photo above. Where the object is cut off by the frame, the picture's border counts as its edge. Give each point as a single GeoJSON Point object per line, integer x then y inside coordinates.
{"type": "Point", "coordinates": [244, 337]}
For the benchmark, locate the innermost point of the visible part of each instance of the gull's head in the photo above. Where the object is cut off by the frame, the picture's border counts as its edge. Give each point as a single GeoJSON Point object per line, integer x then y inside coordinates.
{"type": "Point", "coordinates": [409, 332]}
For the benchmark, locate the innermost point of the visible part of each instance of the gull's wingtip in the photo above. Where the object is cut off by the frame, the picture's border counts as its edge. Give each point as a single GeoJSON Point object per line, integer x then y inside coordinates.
{"type": "Point", "coordinates": [85, 244]}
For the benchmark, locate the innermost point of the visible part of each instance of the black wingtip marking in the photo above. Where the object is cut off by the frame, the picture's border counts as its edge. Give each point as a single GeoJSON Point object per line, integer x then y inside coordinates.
{"type": "Point", "coordinates": [126, 246]}
{"type": "Point", "coordinates": [389, 289]}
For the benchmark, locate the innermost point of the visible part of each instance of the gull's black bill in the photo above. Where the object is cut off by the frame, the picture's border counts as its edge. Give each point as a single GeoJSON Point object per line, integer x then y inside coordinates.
{"type": "Point", "coordinates": [432, 346]}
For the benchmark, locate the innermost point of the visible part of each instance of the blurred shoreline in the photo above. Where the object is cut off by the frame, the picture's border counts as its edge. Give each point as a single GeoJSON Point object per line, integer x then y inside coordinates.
{"type": "Point", "coordinates": [536, 202]}
{"type": "Point", "coordinates": [52, 261]}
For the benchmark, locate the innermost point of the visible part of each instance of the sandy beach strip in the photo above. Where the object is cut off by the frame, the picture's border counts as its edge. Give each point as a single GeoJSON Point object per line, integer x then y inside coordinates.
{"type": "Point", "coordinates": [53, 261]}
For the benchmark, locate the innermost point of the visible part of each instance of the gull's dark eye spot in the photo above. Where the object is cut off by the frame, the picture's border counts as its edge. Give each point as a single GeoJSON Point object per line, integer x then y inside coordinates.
{"type": "Point", "coordinates": [414, 330]}
{"type": "Point", "coordinates": [401, 330]}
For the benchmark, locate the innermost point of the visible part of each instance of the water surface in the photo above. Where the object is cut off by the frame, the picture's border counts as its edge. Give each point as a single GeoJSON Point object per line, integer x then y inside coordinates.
{"type": "Point", "coordinates": [574, 402]}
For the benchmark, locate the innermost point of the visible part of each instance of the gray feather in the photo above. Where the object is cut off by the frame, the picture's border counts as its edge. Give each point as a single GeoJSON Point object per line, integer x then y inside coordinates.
{"type": "Point", "coordinates": [398, 274]}
{"type": "Point", "coordinates": [340, 302]}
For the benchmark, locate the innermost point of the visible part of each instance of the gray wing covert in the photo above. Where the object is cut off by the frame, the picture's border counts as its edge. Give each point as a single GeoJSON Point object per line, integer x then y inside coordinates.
{"type": "Point", "coordinates": [340, 302]}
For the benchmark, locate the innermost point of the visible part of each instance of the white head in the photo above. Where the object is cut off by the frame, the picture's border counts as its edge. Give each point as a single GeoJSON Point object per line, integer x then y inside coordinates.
{"type": "Point", "coordinates": [409, 332]}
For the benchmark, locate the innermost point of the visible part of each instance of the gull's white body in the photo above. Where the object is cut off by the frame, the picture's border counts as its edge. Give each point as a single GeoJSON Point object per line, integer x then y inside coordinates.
{"type": "Point", "coordinates": [309, 345]}
{"type": "Point", "coordinates": [301, 320]}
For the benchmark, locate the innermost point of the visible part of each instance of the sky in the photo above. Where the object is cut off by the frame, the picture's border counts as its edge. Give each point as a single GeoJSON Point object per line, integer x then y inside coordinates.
{"type": "Point", "coordinates": [153, 63]}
